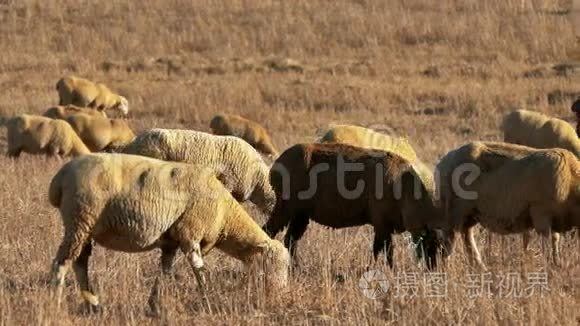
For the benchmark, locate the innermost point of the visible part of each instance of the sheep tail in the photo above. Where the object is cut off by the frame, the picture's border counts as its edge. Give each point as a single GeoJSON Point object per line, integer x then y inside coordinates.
{"type": "Point", "coordinates": [55, 189]}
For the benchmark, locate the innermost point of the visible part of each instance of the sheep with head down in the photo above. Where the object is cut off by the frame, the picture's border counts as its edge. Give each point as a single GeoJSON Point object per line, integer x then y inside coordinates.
{"type": "Point", "coordinates": [537, 130]}
{"type": "Point", "coordinates": [237, 164]}
{"type": "Point", "coordinates": [250, 131]}
{"type": "Point", "coordinates": [41, 135]}
{"type": "Point", "coordinates": [135, 204]}
{"type": "Point", "coordinates": [101, 134]}
{"type": "Point", "coordinates": [339, 185]}
{"type": "Point", "coordinates": [64, 111]}
{"type": "Point", "coordinates": [507, 189]}
{"type": "Point", "coordinates": [85, 93]}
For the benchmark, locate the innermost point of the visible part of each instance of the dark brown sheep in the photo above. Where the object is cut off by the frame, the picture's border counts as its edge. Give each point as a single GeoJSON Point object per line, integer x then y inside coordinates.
{"type": "Point", "coordinates": [339, 185]}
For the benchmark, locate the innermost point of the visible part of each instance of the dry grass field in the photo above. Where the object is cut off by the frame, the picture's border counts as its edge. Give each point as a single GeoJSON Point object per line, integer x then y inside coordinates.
{"type": "Point", "coordinates": [440, 72]}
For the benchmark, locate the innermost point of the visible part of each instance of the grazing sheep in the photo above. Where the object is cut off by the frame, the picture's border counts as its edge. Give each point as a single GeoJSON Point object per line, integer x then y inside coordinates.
{"type": "Point", "coordinates": [368, 138]}
{"type": "Point", "coordinates": [250, 131]}
{"type": "Point", "coordinates": [40, 135]}
{"type": "Point", "coordinates": [133, 204]}
{"type": "Point", "coordinates": [237, 164]}
{"type": "Point", "coordinates": [509, 189]}
{"type": "Point", "coordinates": [540, 131]}
{"type": "Point", "coordinates": [64, 111]}
{"type": "Point", "coordinates": [101, 134]}
{"type": "Point", "coordinates": [380, 188]}
{"type": "Point", "coordinates": [85, 93]}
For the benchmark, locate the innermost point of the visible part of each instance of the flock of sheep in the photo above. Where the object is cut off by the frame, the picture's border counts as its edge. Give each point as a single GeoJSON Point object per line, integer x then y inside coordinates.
{"type": "Point", "coordinates": [180, 190]}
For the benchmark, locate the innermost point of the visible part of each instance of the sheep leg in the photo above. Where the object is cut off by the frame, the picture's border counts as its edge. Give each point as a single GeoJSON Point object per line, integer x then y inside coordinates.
{"type": "Point", "coordinates": [471, 247]}
{"type": "Point", "coordinates": [70, 250]}
{"type": "Point", "coordinates": [14, 152]}
{"type": "Point", "coordinates": [167, 259]}
{"type": "Point", "coordinates": [383, 242]}
{"type": "Point", "coordinates": [542, 224]}
{"type": "Point", "coordinates": [556, 248]}
{"type": "Point", "coordinates": [80, 267]}
{"type": "Point", "coordinates": [295, 231]}
{"type": "Point", "coordinates": [195, 260]}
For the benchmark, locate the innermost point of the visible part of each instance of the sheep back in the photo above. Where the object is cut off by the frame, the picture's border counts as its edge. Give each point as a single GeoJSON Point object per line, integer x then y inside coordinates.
{"type": "Point", "coordinates": [37, 135]}
{"type": "Point", "coordinates": [540, 131]}
{"type": "Point", "coordinates": [250, 131]}
{"type": "Point", "coordinates": [64, 111]}
{"type": "Point", "coordinates": [319, 165]}
{"type": "Point", "coordinates": [100, 134]}
{"type": "Point", "coordinates": [238, 166]}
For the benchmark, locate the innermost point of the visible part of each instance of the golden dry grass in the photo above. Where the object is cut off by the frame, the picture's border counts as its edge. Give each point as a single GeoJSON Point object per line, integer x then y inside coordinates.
{"type": "Point", "coordinates": [441, 73]}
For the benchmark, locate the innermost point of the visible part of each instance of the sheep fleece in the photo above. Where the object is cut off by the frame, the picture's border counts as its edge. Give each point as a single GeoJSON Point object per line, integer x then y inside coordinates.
{"type": "Point", "coordinates": [85, 93]}
{"type": "Point", "coordinates": [540, 131]}
{"type": "Point", "coordinates": [237, 164]}
{"type": "Point", "coordinates": [367, 138]}
{"type": "Point", "coordinates": [131, 203]}
{"type": "Point", "coordinates": [37, 134]}
{"type": "Point", "coordinates": [64, 111]}
{"type": "Point", "coordinates": [250, 131]}
{"type": "Point", "coordinates": [99, 133]}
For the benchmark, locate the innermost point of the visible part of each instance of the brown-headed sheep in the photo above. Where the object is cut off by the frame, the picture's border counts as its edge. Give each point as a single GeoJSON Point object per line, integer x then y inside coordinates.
{"type": "Point", "coordinates": [135, 204]}
{"type": "Point", "coordinates": [339, 185]}
{"type": "Point", "coordinates": [64, 111]}
{"type": "Point", "coordinates": [85, 93]}
{"type": "Point", "coordinates": [237, 164]}
{"type": "Point", "coordinates": [41, 135]}
{"type": "Point", "coordinates": [539, 131]}
{"type": "Point", "coordinates": [250, 131]}
{"type": "Point", "coordinates": [101, 134]}
{"type": "Point", "coordinates": [509, 189]}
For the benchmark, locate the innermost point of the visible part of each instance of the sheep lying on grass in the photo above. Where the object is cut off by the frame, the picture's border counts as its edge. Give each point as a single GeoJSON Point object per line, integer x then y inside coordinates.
{"type": "Point", "coordinates": [64, 111]}
{"type": "Point", "coordinates": [101, 134]}
{"type": "Point", "coordinates": [380, 188]}
{"type": "Point", "coordinates": [133, 204]}
{"type": "Point", "coordinates": [41, 135]}
{"type": "Point", "coordinates": [540, 131]}
{"type": "Point", "coordinates": [237, 164]}
{"type": "Point", "coordinates": [85, 93]}
{"type": "Point", "coordinates": [510, 189]}
{"type": "Point", "coordinates": [250, 131]}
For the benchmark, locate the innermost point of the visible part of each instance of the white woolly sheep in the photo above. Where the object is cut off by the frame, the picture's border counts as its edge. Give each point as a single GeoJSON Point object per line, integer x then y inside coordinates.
{"type": "Point", "coordinates": [101, 134]}
{"type": "Point", "coordinates": [509, 189]}
{"type": "Point", "coordinates": [237, 164]}
{"type": "Point", "coordinates": [64, 111]}
{"type": "Point", "coordinates": [85, 93]}
{"type": "Point", "coordinates": [134, 204]}
{"type": "Point", "coordinates": [40, 135]}
{"type": "Point", "coordinates": [540, 131]}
